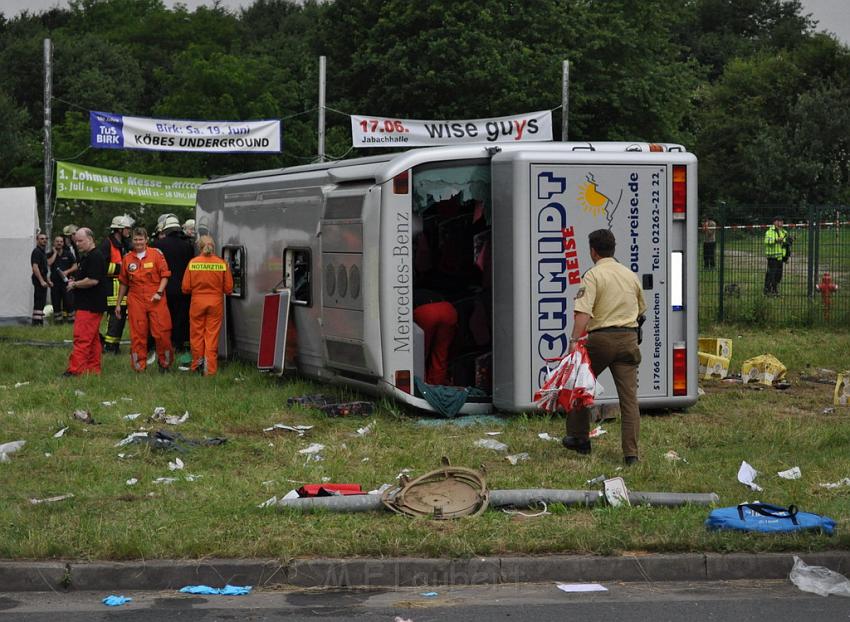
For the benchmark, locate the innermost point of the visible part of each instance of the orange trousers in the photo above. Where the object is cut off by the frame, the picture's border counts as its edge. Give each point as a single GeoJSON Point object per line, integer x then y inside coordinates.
{"type": "Point", "coordinates": [205, 317]}
{"type": "Point", "coordinates": [145, 316]}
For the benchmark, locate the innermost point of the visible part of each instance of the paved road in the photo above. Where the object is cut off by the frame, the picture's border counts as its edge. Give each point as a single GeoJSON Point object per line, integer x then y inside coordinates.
{"type": "Point", "coordinates": [738, 601]}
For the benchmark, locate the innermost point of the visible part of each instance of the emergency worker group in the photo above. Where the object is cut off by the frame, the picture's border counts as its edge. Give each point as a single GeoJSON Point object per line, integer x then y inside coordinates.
{"type": "Point", "coordinates": [171, 299]}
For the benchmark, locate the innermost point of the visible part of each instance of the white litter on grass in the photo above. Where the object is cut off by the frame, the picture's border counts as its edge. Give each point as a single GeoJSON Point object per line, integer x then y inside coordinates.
{"type": "Point", "coordinates": [60, 433]}
{"type": "Point", "coordinates": [158, 412]}
{"type": "Point", "coordinates": [191, 477]}
{"type": "Point", "coordinates": [131, 416]}
{"type": "Point", "coordinates": [47, 455]}
{"type": "Point", "coordinates": [18, 385]}
{"type": "Point", "coordinates": [366, 459]}
{"type": "Point", "coordinates": [313, 449]}
{"type": "Point", "coordinates": [268, 502]}
{"type": "Point", "coordinates": [828, 485]}
{"type": "Point", "coordinates": [515, 458]}
{"type": "Point", "coordinates": [406, 471]}
{"type": "Point", "coordinates": [127, 399]}
{"type": "Point", "coordinates": [673, 456]}
{"type": "Point", "coordinates": [492, 433]}
{"type": "Point", "coordinates": [597, 431]}
{"type": "Point", "coordinates": [51, 499]}
{"type": "Point", "coordinates": [490, 443]}
{"type": "Point", "coordinates": [174, 420]}
{"type": "Point", "coordinates": [581, 587]}
{"type": "Point", "coordinates": [176, 465]}
{"type": "Point", "coordinates": [300, 430]}
{"type": "Point", "coordinates": [268, 482]}
{"type": "Point", "coordinates": [84, 416]}
{"type": "Point", "coordinates": [792, 473]}
{"type": "Point", "coordinates": [165, 480]}
{"type": "Point", "coordinates": [365, 430]}
{"type": "Point", "coordinates": [9, 448]}
{"type": "Point", "coordinates": [547, 437]}
{"type": "Point", "coordinates": [79, 393]}
{"type": "Point", "coordinates": [126, 456]}
{"type": "Point", "coordinates": [131, 438]}
{"type": "Point", "coordinates": [747, 475]}
{"type": "Point", "coordinates": [132, 481]}
{"type": "Point", "coordinates": [109, 403]}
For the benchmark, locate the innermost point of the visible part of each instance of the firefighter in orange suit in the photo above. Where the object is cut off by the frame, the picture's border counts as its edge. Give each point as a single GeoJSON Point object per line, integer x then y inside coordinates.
{"type": "Point", "coordinates": [144, 274]}
{"type": "Point", "coordinates": [207, 279]}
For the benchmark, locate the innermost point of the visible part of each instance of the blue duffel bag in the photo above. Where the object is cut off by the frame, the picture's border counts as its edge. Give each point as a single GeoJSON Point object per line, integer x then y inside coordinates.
{"type": "Point", "coordinates": [768, 518]}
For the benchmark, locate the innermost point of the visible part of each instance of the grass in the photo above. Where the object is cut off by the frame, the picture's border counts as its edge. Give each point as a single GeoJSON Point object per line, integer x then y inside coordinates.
{"type": "Point", "coordinates": [217, 515]}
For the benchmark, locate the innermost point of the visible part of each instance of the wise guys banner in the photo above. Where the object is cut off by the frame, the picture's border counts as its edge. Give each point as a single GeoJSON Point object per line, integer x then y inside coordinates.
{"type": "Point", "coordinates": [74, 181]}
{"type": "Point", "coordinates": [115, 131]}
{"type": "Point", "coordinates": [393, 132]}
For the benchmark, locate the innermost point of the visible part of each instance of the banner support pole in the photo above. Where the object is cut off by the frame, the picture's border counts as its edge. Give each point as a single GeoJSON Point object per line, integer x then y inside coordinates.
{"type": "Point", "coordinates": [321, 109]}
{"type": "Point", "coordinates": [565, 99]}
{"type": "Point", "coordinates": [48, 148]}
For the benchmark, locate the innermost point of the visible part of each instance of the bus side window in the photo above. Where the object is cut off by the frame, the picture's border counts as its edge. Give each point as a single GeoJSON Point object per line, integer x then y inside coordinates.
{"type": "Point", "coordinates": [235, 258]}
{"type": "Point", "coordinates": [298, 277]}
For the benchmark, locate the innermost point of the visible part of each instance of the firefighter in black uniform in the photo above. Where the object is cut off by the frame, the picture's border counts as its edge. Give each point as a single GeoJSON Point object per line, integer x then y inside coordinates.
{"type": "Point", "coordinates": [178, 253]}
{"type": "Point", "coordinates": [113, 250]}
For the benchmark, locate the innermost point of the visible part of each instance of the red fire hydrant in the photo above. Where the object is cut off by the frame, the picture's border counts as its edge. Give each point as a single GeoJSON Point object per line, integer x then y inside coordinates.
{"type": "Point", "coordinates": [826, 287]}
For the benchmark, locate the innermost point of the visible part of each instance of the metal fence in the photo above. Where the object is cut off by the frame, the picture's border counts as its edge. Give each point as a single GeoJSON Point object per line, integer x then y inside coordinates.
{"type": "Point", "coordinates": [732, 286]}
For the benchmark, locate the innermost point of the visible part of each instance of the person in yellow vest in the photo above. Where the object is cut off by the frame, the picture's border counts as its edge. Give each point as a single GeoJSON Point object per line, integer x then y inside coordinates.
{"type": "Point", "coordinates": [113, 250]}
{"type": "Point", "coordinates": [207, 279]}
{"type": "Point", "coordinates": [609, 307]}
{"type": "Point", "coordinates": [776, 249]}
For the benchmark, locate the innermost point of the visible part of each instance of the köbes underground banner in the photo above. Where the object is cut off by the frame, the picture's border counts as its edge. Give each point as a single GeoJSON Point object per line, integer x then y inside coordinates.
{"type": "Point", "coordinates": [115, 131]}
{"type": "Point", "coordinates": [74, 181]}
{"type": "Point", "coordinates": [390, 132]}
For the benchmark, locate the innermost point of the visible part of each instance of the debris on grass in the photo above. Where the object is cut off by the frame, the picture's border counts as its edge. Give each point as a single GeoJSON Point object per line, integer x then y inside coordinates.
{"type": "Point", "coordinates": [165, 480]}
{"type": "Point", "coordinates": [310, 401]}
{"type": "Point", "coordinates": [18, 385]}
{"type": "Point", "coordinates": [347, 409]}
{"type": "Point", "coordinates": [828, 485]}
{"type": "Point", "coordinates": [314, 448]}
{"type": "Point", "coordinates": [365, 430]}
{"type": "Point", "coordinates": [132, 438]}
{"type": "Point", "coordinates": [747, 475]}
{"type": "Point", "coordinates": [514, 459]}
{"type": "Point", "coordinates": [9, 448]}
{"type": "Point", "coordinates": [792, 473]}
{"type": "Point", "coordinates": [84, 416]}
{"type": "Point", "coordinates": [300, 430]}
{"type": "Point", "coordinates": [174, 420]}
{"type": "Point", "coordinates": [176, 465]}
{"type": "Point", "coordinates": [132, 481]}
{"type": "Point", "coordinates": [672, 456]}
{"type": "Point", "coordinates": [131, 416]}
{"type": "Point", "coordinates": [79, 393]}
{"type": "Point", "coordinates": [107, 403]}
{"type": "Point", "coordinates": [545, 436]}
{"type": "Point", "coordinates": [51, 499]}
{"type": "Point", "coordinates": [490, 443]}
{"type": "Point", "coordinates": [597, 432]}
{"type": "Point", "coordinates": [61, 432]}
{"type": "Point", "coordinates": [596, 480]}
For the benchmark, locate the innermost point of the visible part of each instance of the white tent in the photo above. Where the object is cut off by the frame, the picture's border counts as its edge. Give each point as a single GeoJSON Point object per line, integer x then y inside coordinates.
{"type": "Point", "coordinates": [19, 215]}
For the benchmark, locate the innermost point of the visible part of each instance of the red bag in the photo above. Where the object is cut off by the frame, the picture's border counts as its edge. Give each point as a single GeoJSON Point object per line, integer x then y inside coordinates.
{"type": "Point", "coordinates": [329, 490]}
{"type": "Point", "coordinates": [571, 385]}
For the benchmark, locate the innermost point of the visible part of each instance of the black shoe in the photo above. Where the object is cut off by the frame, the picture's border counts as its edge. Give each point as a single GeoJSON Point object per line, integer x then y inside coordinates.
{"type": "Point", "coordinates": [68, 374]}
{"type": "Point", "coordinates": [576, 444]}
{"type": "Point", "coordinates": [631, 460]}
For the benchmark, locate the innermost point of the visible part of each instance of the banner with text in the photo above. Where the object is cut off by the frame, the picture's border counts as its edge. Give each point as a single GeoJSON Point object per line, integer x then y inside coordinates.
{"type": "Point", "coordinates": [74, 181]}
{"type": "Point", "coordinates": [386, 132]}
{"type": "Point", "coordinates": [115, 131]}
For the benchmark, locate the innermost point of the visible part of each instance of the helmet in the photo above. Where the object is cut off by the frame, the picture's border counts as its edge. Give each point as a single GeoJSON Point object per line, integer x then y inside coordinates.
{"type": "Point", "coordinates": [121, 222]}
{"type": "Point", "coordinates": [171, 222]}
{"type": "Point", "coordinates": [128, 221]}
{"type": "Point", "coordinates": [189, 227]}
{"type": "Point", "coordinates": [69, 230]}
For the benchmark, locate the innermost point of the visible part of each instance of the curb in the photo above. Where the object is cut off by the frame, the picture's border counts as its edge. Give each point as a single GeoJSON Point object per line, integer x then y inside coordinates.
{"type": "Point", "coordinates": [404, 572]}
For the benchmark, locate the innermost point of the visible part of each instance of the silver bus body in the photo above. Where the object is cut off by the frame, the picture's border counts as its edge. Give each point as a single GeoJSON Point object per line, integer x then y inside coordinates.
{"type": "Point", "coordinates": [348, 227]}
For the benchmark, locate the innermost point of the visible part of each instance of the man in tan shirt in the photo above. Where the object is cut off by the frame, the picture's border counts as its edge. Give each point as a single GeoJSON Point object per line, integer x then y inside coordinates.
{"type": "Point", "coordinates": [607, 307]}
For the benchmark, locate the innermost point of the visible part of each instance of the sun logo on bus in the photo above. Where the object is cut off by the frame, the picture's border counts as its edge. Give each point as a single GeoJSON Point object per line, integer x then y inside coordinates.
{"type": "Point", "coordinates": [593, 201]}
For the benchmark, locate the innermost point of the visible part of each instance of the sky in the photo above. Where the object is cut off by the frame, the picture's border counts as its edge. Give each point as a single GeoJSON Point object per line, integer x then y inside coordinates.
{"type": "Point", "coordinates": [832, 15]}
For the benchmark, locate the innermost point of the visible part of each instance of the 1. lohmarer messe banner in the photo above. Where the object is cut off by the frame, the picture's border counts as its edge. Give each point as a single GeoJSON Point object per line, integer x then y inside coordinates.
{"type": "Point", "coordinates": [116, 131]}
{"type": "Point", "coordinates": [392, 132]}
{"type": "Point", "coordinates": [74, 181]}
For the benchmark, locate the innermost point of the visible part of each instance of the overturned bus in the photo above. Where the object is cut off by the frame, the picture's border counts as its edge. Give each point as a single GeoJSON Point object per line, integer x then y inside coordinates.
{"type": "Point", "coordinates": [499, 231]}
